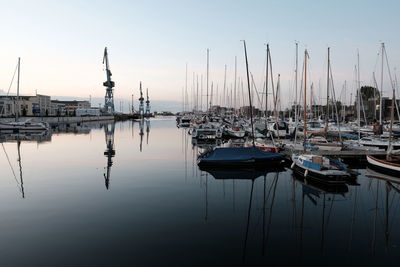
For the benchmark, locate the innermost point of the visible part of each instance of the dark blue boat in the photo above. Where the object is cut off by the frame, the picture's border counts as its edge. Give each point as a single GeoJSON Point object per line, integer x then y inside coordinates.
{"type": "Point", "coordinates": [239, 156]}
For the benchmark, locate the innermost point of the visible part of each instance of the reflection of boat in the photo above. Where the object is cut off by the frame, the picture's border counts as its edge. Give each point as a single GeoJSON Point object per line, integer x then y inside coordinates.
{"type": "Point", "coordinates": [22, 127]}
{"type": "Point", "coordinates": [39, 137]}
{"type": "Point", "coordinates": [377, 175]}
{"type": "Point", "coordinates": [221, 173]}
{"type": "Point", "coordinates": [319, 187]}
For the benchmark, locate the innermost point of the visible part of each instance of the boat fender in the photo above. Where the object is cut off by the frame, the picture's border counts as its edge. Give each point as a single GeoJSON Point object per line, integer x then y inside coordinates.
{"type": "Point", "coordinates": [306, 173]}
{"type": "Point", "coordinates": [291, 166]}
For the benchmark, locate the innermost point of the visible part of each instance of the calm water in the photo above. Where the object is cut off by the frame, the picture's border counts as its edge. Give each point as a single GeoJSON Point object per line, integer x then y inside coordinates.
{"type": "Point", "coordinates": [149, 205]}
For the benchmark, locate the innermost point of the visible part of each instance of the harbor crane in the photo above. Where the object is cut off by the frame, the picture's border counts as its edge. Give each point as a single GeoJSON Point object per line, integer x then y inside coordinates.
{"type": "Point", "coordinates": [141, 99]}
{"type": "Point", "coordinates": [109, 84]}
{"type": "Point", "coordinates": [147, 114]}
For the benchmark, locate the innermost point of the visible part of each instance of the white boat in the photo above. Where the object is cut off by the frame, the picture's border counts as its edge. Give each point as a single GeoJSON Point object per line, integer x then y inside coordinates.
{"type": "Point", "coordinates": [234, 131]}
{"type": "Point", "coordinates": [26, 126]}
{"type": "Point", "coordinates": [184, 122]}
{"type": "Point", "coordinates": [22, 126]}
{"type": "Point", "coordinates": [323, 144]}
{"type": "Point", "coordinates": [206, 131]}
{"type": "Point", "coordinates": [378, 142]}
{"type": "Point", "coordinates": [279, 128]}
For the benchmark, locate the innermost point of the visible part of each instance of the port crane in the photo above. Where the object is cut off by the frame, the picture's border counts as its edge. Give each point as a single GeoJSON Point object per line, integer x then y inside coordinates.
{"type": "Point", "coordinates": [109, 84]}
{"type": "Point", "coordinates": [147, 114]}
{"type": "Point", "coordinates": [141, 99]}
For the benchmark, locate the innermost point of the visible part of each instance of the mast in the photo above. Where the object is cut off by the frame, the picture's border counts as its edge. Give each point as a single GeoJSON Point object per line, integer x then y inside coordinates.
{"type": "Point", "coordinates": [391, 126]}
{"type": "Point", "coordinates": [185, 93]}
{"type": "Point", "coordinates": [248, 87]}
{"type": "Point", "coordinates": [234, 87]}
{"type": "Point", "coordinates": [359, 96]}
{"type": "Point", "coordinates": [295, 88]}
{"type": "Point", "coordinates": [266, 89]}
{"type": "Point", "coordinates": [208, 52]}
{"type": "Point", "coordinates": [327, 93]}
{"type": "Point", "coordinates": [305, 94]}
{"type": "Point", "coordinates": [225, 84]}
{"type": "Point", "coordinates": [380, 99]}
{"type": "Point", "coordinates": [17, 102]}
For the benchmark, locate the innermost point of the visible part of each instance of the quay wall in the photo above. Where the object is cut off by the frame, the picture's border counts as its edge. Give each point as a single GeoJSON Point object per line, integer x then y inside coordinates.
{"type": "Point", "coordinates": [61, 120]}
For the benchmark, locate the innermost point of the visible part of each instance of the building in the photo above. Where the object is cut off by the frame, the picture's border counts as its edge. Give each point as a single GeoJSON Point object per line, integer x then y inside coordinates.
{"type": "Point", "coordinates": [246, 111]}
{"type": "Point", "coordinates": [69, 107]}
{"type": "Point", "coordinates": [7, 106]}
{"type": "Point", "coordinates": [37, 105]}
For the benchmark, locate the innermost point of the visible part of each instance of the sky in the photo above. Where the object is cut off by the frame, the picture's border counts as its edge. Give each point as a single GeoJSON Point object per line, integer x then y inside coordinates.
{"type": "Point", "coordinates": [61, 44]}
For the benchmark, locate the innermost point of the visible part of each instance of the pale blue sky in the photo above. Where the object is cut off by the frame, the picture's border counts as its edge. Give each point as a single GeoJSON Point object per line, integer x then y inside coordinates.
{"type": "Point", "coordinates": [61, 42]}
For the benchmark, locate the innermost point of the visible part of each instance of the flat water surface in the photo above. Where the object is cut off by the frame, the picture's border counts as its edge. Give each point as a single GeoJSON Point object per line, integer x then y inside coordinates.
{"type": "Point", "coordinates": [130, 193]}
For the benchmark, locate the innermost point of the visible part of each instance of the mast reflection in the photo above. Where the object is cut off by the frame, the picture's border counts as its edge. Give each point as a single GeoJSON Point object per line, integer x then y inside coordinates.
{"type": "Point", "coordinates": [147, 131]}
{"type": "Point", "coordinates": [141, 133]}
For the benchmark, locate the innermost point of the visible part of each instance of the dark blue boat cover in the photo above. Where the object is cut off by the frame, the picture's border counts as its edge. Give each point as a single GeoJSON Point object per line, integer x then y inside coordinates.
{"type": "Point", "coordinates": [239, 155]}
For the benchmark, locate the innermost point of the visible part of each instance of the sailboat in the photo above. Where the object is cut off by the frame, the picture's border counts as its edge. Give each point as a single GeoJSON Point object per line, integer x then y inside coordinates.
{"type": "Point", "coordinates": [240, 156]}
{"type": "Point", "coordinates": [313, 166]}
{"type": "Point", "coordinates": [389, 163]}
{"type": "Point", "coordinates": [17, 126]}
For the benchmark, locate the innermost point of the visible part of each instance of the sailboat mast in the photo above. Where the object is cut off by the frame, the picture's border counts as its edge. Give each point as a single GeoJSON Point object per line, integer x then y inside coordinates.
{"type": "Point", "coordinates": [266, 83]}
{"type": "Point", "coordinates": [248, 86]}
{"type": "Point", "coordinates": [327, 92]}
{"type": "Point", "coordinates": [359, 96]}
{"type": "Point", "coordinates": [208, 52]}
{"type": "Point", "coordinates": [234, 87]}
{"type": "Point", "coordinates": [17, 101]}
{"type": "Point", "coordinates": [305, 94]}
{"type": "Point", "coordinates": [381, 95]}
{"type": "Point", "coordinates": [295, 87]}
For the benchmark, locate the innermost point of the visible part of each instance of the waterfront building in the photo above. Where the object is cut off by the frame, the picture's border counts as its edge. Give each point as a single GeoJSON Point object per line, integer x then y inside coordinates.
{"type": "Point", "coordinates": [69, 107]}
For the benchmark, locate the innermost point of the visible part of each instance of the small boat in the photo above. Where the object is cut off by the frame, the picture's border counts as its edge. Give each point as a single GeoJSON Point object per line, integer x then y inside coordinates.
{"type": "Point", "coordinates": [323, 144]}
{"type": "Point", "coordinates": [264, 146]}
{"type": "Point", "coordinates": [319, 168]}
{"type": "Point", "coordinates": [184, 122]}
{"type": "Point", "coordinates": [234, 131]}
{"type": "Point", "coordinates": [239, 156]}
{"type": "Point", "coordinates": [378, 142]}
{"type": "Point", "coordinates": [21, 127]}
{"type": "Point", "coordinates": [206, 131]}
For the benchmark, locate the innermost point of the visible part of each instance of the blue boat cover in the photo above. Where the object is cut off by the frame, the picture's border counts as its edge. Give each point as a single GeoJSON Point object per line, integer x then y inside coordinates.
{"type": "Point", "coordinates": [239, 155]}
{"type": "Point", "coordinates": [311, 165]}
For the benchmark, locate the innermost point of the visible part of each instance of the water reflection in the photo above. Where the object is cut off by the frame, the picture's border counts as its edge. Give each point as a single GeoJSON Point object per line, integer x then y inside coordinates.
{"type": "Point", "coordinates": [225, 217]}
{"type": "Point", "coordinates": [110, 151]}
{"type": "Point", "coordinates": [142, 123]}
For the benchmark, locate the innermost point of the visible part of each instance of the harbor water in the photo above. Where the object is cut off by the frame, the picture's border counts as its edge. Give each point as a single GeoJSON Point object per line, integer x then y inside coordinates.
{"type": "Point", "coordinates": [131, 194]}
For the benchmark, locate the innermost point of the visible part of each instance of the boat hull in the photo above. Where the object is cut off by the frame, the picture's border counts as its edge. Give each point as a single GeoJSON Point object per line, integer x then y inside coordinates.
{"type": "Point", "coordinates": [318, 177]}
{"type": "Point", "coordinates": [380, 165]}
